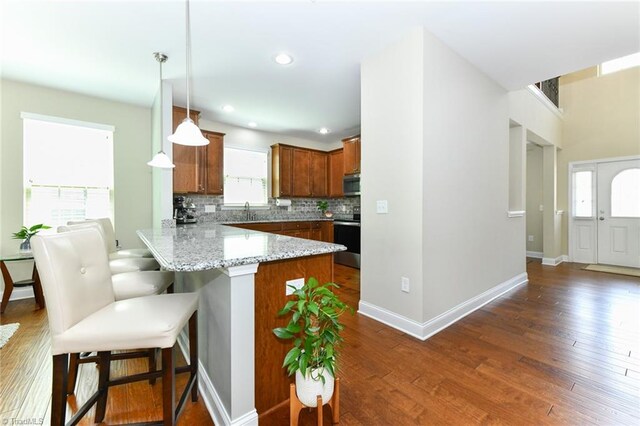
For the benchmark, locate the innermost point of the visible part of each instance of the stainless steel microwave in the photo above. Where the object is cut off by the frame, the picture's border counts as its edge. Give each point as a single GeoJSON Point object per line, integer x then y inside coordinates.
{"type": "Point", "coordinates": [351, 185]}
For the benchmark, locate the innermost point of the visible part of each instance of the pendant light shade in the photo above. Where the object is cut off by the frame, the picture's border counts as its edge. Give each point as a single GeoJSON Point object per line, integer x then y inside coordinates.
{"type": "Point", "coordinates": [187, 132]}
{"type": "Point", "coordinates": [161, 160]}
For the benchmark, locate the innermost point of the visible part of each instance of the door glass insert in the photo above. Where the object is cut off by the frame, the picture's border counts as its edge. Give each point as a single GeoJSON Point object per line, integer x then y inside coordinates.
{"type": "Point", "coordinates": [625, 194]}
{"type": "Point", "coordinates": [583, 193]}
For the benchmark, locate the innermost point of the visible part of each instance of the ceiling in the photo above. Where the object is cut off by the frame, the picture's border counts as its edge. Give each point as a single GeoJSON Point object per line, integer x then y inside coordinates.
{"type": "Point", "coordinates": [104, 48]}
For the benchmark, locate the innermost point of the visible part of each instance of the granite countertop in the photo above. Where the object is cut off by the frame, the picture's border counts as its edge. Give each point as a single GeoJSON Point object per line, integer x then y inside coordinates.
{"type": "Point", "coordinates": [206, 246]}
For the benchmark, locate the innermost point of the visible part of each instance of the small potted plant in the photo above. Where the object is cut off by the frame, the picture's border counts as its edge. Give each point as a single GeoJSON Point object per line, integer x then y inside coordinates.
{"type": "Point", "coordinates": [323, 206]}
{"type": "Point", "coordinates": [25, 235]}
{"type": "Point", "coordinates": [315, 329]}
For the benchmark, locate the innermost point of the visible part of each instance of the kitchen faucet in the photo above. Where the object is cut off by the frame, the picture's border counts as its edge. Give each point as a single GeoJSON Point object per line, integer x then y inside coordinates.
{"type": "Point", "coordinates": [247, 208]}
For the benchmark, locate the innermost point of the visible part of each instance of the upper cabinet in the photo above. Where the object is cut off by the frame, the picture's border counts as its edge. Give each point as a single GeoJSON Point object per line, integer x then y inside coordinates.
{"type": "Point", "coordinates": [198, 169]}
{"type": "Point", "coordinates": [298, 172]}
{"type": "Point", "coordinates": [336, 172]}
{"type": "Point", "coordinates": [351, 155]}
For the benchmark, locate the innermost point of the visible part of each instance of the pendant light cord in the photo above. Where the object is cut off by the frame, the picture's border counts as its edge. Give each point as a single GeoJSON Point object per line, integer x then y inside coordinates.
{"type": "Point", "coordinates": [188, 55]}
{"type": "Point", "coordinates": [161, 60]}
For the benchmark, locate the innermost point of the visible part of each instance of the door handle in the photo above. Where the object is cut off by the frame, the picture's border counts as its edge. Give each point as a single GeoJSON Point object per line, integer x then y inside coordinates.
{"type": "Point", "coordinates": [601, 218]}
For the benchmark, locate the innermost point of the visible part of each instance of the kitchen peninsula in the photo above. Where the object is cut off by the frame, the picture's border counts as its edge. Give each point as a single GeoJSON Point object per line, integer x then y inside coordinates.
{"type": "Point", "coordinates": [241, 276]}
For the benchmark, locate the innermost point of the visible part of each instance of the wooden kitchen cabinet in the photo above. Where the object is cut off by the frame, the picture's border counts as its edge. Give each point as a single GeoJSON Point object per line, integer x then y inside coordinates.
{"type": "Point", "coordinates": [213, 163]}
{"type": "Point", "coordinates": [319, 174]}
{"type": "Point", "coordinates": [298, 172]}
{"type": "Point", "coordinates": [301, 176]}
{"type": "Point", "coordinates": [199, 169]}
{"type": "Point", "coordinates": [351, 148]}
{"type": "Point", "coordinates": [185, 174]}
{"type": "Point", "coordinates": [281, 170]}
{"type": "Point", "coordinates": [336, 172]}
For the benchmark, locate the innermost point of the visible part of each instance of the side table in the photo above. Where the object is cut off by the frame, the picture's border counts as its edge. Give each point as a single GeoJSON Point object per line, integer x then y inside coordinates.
{"type": "Point", "coordinates": [9, 284]}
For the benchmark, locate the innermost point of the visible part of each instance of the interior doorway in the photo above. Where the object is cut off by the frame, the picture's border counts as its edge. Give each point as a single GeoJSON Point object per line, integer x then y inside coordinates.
{"type": "Point", "coordinates": [605, 212]}
{"type": "Point", "coordinates": [534, 201]}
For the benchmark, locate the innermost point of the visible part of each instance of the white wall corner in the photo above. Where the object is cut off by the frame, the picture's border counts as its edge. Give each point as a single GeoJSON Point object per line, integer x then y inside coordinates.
{"type": "Point", "coordinates": [210, 397]}
{"type": "Point", "coordinates": [427, 329]}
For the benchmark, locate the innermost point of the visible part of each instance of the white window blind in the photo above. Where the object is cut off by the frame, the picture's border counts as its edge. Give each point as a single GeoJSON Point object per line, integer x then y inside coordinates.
{"type": "Point", "coordinates": [68, 171]}
{"type": "Point", "coordinates": [245, 177]}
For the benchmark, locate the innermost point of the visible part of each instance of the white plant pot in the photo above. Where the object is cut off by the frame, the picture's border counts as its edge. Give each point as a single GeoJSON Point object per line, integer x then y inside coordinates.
{"type": "Point", "coordinates": [308, 388]}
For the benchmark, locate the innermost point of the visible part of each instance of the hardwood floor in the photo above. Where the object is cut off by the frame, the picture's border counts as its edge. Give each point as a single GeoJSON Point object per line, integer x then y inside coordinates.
{"type": "Point", "coordinates": [564, 349]}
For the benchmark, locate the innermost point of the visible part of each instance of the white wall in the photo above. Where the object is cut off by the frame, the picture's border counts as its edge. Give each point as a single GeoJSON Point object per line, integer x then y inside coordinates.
{"type": "Point", "coordinates": [132, 146]}
{"type": "Point", "coordinates": [601, 120]}
{"type": "Point", "coordinates": [436, 133]}
{"type": "Point", "coordinates": [470, 245]}
{"type": "Point", "coordinates": [262, 141]}
{"type": "Point", "coordinates": [392, 135]}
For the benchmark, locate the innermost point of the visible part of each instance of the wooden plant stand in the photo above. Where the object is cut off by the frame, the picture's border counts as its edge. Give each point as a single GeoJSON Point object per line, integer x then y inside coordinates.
{"type": "Point", "coordinates": [295, 405]}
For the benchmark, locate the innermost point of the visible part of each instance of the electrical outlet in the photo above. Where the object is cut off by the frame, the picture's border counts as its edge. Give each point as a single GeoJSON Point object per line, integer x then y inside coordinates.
{"type": "Point", "coordinates": [530, 238]}
{"type": "Point", "coordinates": [404, 284]}
{"type": "Point", "coordinates": [297, 284]}
{"type": "Point", "coordinates": [382, 207]}
{"type": "Point", "coordinates": [210, 208]}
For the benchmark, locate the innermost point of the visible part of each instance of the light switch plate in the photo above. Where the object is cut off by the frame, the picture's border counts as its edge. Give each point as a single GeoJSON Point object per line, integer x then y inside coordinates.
{"type": "Point", "coordinates": [297, 283]}
{"type": "Point", "coordinates": [210, 208]}
{"type": "Point", "coordinates": [382, 207]}
{"type": "Point", "coordinates": [530, 237]}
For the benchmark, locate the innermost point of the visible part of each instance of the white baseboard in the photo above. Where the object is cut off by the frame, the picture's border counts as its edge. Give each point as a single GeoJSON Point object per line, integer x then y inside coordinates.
{"type": "Point", "coordinates": [208, 393]}
{"type": "Point", "coordinates": [550, 261]}
{"type": "Point", "coordinates": [427, 329]}
{"type": "Point", "coordinates": [20, 293]}
{"type": "Point", "coordinates": [535, 254]}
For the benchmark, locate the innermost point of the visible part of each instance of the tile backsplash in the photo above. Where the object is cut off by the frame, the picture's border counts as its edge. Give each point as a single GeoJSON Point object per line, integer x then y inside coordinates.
{"type": "Point", "coordinates": [301, 208]}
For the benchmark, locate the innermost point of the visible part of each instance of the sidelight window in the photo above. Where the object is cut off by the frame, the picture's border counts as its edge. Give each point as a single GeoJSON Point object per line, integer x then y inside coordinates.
{"type": "Point", "coordinates": [583, 202]}
{"type": "Point", "coordinates": [625, 194]}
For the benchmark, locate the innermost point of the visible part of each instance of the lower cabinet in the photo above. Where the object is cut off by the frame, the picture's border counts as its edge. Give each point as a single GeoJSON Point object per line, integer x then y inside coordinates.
{"type": "Point", "coordinates": [310, 230]}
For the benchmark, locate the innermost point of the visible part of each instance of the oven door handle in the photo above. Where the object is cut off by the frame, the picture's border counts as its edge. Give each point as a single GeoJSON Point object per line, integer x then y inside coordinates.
{"type": "Point", "coordinates": [347, 223]}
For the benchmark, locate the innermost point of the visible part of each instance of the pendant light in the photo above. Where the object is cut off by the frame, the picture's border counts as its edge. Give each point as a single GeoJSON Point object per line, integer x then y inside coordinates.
{"type": "Point", "coordinates": [187, 132]}
{"type": "Point", "coordinates": [161, 160]}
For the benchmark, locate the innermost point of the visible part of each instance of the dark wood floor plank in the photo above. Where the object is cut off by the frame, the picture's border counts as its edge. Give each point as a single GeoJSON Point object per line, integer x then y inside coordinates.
{"type": "Point", "coordinates": [564, 349]}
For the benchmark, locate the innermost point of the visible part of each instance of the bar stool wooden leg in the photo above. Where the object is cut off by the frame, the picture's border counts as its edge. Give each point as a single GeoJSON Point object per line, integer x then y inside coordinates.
{"type": "Point", "coordinates": [103, 385]}
{"type": "Point", "coordinates": [193, 354]}
{"type": "Point", "coordinates": [168, 387]}
{"type": "Point", "coordinates": [59, 389]}
{"type": "Point", "coordinates": [73, 373]}
{"type": "Point", "coordinates": [152, 364]}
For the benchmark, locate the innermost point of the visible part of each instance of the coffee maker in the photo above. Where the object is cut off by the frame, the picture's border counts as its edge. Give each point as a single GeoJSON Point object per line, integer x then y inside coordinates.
{"type": "Point", "coordinates": [184, 211]}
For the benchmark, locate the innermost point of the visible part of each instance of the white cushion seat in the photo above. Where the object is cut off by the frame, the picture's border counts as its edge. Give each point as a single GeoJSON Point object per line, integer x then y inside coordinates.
{"type": "Point", "coordinates": [142, 322]}
{"type": "Point", "coordinates": [133, 264]}
{"type": "Point", "coordinates": [137, 284]}
{"type": "Point", "coordinates": [127, 253]}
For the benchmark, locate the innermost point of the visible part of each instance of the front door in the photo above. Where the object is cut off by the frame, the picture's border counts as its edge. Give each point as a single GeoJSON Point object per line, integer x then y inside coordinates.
{"type": "Point", "coordinates": [618, 213]}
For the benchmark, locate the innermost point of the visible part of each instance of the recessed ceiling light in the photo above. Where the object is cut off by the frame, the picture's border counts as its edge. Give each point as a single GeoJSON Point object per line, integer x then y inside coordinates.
{"type": "Point", "coordinates": [283, 59]}
{"type": "Point", "coordinates": [324, 131]}
{"type": "Point", "coordinates": [228, 108]}
{"type": "Point", "coordinates": [253, 124]}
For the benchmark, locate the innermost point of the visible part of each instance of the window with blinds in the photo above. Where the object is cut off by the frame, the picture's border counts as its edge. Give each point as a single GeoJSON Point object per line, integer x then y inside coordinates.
{"type": "Point", "coordinates": [245, 177]}
{"type": "Point", "coordinates": [68, 170]}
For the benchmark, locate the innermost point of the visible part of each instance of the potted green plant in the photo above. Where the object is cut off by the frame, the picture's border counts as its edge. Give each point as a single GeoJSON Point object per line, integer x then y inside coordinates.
{"type": "Point", "coordinates": [323, 206]}
{"type": "Point", "coordinates": [315, 329]}
{"type": "Point", "coordinates": [25, 235]}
